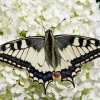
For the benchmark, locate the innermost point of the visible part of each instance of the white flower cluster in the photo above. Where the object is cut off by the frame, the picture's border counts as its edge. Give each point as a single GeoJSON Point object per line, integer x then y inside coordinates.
{"type": "Point", "coordinates": [82, 18]}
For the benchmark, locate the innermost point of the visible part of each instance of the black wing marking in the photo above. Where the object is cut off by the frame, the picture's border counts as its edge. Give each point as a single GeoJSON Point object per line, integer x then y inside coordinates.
{"type": "Point", "coordinates": [29, 53]}
{"type": "Point", "coordinates": [74, 51]}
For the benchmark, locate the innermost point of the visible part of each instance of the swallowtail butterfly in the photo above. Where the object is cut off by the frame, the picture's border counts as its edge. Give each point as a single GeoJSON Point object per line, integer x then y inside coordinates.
{"type": "Point", "coordinates": [50, 56]}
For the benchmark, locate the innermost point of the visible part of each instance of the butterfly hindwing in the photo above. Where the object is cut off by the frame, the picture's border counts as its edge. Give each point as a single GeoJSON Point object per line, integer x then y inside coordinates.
{"type": "Point", "coordinates": [29, 53]}
{"type": "Point", "coordinates": [74, 52]}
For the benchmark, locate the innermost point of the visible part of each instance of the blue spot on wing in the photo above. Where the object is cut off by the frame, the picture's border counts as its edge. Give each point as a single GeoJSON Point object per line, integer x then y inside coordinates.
{"type": "Point", "coordinates": [40, 75]}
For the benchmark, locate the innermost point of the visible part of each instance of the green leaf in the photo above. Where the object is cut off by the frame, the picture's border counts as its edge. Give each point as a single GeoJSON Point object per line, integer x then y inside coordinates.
{"type": "Point", "coordinates": [22, 33]}
{"type": "Point", "coordinates": [42, 18]}
{"type": "Point", "coordinates": [38, 34]}
{"type": "Point", "coordinates": [52, 28]}
{"type": "Point", "coordinates": [1, 33]}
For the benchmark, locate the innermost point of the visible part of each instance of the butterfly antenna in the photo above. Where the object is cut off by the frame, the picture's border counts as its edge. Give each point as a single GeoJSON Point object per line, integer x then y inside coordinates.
{"type": "Point", "coordinates": [60, 23]}
{"type": "Point", "coordinates": [41, 25]}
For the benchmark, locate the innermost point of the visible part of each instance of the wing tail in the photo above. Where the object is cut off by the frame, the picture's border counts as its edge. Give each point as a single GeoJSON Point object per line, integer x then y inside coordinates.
{"type": "Point", "coordinates": [69, 74]}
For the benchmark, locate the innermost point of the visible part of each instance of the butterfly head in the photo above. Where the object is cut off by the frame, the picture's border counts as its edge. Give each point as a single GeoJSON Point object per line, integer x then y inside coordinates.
{"type": "Point", "coordinates": [49, 31]}
{"type": "Point", "coordinates": [49, 34]}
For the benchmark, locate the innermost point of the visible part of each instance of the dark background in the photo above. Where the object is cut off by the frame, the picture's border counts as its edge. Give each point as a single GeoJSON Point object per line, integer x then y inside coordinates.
{"type": "Point", "coordinates": [97, 0]}
{"type": "Point", "coordinates": [99, 3]}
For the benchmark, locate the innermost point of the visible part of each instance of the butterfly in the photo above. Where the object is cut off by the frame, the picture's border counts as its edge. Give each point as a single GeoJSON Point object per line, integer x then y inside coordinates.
{"type": "Point", "coordinates": [45, 57]}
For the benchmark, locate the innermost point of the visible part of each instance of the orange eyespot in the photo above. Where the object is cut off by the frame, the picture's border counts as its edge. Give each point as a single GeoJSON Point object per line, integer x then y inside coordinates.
{"type": "Point", "coordinates": [56, 74]}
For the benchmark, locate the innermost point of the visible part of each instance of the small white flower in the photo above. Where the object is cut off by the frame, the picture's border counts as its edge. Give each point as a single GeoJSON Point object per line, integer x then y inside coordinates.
{"type": "Point", "coordinates": [3, 88]}
{"type": "Point", "coordinates": [23, 26]}
{"type": "Point", "coordinates": [24, 74]}
{"type": "Point", "coordinates": [83, 1]}
{"type": "Point", "coordinates": [10, 81]}
{"type": "Point", "coordinates": [80, 87]}
{"type": "Point", "coordinates": [78, 94]}
{"type": "Point", "coordinates": [36, 96]}
{"type": "Point", "coordinates": [87, 85]}
{"type": "Point", "coordinates": [94, 73]}
{"type": "Point", "coordinates": [23, 96]}
{"type": "Point", "coordinates": [39, 10]}
{"type": "Point", "coordinates": [57, 95]}
{"type": "Point", "coordinates": [22, 81]}
{"type": "Point", "coordinates": [47, 14]}
{"type": "Point", "coordinates": [5, 74]}
{"type": "Point", "coordinates": [2, 80]}
{"type": "Point", "coordinates": [17, 89]}
{"type": "Point", "coordinates": [26, 85]}
{"type": "Point", "coordinates": [60, 86]}
{"type": "Point", "coordinates": [13, 75]}
{"type": "Point", "coordinates": [18, 72]}
{"type": "Point", "coordinates": [64, 93]}
{"type": "Point", "coordinates": [83, 77]}
{"type": "Point", "coordinates": [8, 69]}
{"type": "Point", "coordinates": [1, 68]}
